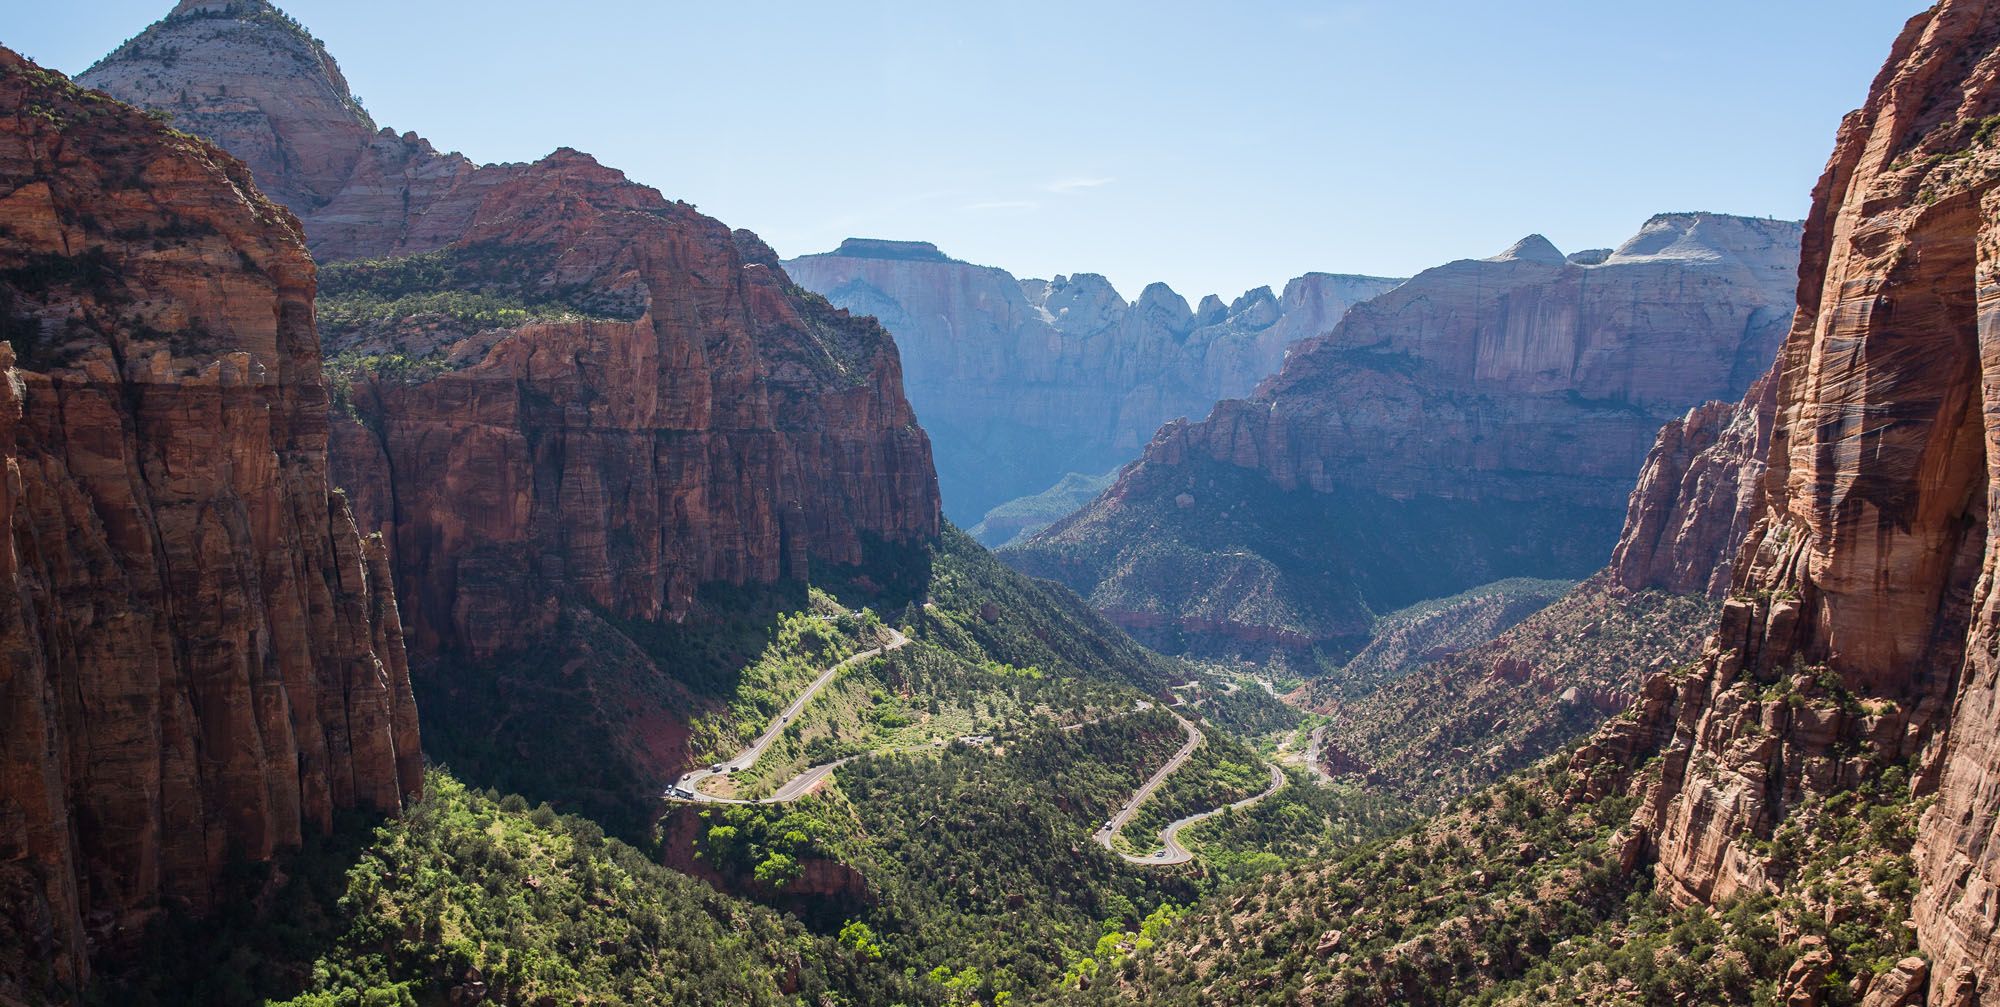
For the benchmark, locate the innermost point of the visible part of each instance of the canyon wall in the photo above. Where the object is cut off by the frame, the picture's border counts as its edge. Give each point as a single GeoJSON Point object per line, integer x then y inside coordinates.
{"type": "Point", "coordinates": [1023, 382]}
{"type": "Point", "coordinates": [200, 656]}
{"type": "Point", "coordinates": [1857, 647]}
{"type": "Point", "coordinates": [1484, 420]}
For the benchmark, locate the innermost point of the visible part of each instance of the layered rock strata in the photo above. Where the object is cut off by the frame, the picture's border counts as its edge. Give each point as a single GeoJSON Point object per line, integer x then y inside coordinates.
{"type": "Point", "coordinates": [1858, 645]}
{"type": "Point", "coordinates": [1697, 496]}
{"type": "Point", "coordinates": [200, 657]}
{"type": "Point", "coordinates": [568, 404]}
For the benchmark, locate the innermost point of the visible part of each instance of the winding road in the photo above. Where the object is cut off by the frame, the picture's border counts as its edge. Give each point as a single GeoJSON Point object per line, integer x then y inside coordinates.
{"type": "Point", "coordinates": [1171, 851]}
{"type": "Point", "coordinates": [1313, 751]}
{"type": "Point", "coordinates": [688, 788]}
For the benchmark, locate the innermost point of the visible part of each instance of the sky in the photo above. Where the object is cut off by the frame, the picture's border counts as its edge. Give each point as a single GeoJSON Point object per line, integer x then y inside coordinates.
{"type": "Point", "coordinates": [1215, 146]}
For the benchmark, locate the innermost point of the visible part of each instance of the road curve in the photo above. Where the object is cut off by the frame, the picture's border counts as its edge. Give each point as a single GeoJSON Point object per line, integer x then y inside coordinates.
{"type": "Point", "coordinates": [688, 788]}
{"type": "Point", "coordinates": [1313, 753]}
{"type": "Point", "coordinates": [1124, 815]}
{"type": "Point", "coordinates": [1171, 851]}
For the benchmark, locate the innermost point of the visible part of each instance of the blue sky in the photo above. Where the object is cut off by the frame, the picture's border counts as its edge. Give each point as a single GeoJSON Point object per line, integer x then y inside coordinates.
{"type": "Point", "coordinates": [1214, 146]}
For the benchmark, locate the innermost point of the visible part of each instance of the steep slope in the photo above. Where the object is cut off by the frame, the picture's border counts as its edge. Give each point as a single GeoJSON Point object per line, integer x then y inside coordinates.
{"type": "Point", "coordinates": [1870, 572]}
{"type": "Point", "coordinates": [1484, 420]}
{"type": "Point", "coordinates": [200, 658]}
{"type": "Point", "coordinates": [1024, 381]}
{"type": "Point", "coordinates": [1440, 728]}
{"type": "Point", "coordinates": [1018, 519]}
{"type": "Point", "coordinates": [580, 414]}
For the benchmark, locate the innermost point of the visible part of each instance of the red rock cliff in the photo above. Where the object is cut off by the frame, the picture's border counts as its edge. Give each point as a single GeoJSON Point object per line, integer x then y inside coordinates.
{"type": "Point", "coordinates": [649, 406]}
{"type": "Point", "coordinates": [200, 658]}
{"type": "Point", "coordinates": [1862, 632]}
{"type": "Point", "coordinates": [1697, 496]}
{"type": "Point", "coordinates": [733, 431]}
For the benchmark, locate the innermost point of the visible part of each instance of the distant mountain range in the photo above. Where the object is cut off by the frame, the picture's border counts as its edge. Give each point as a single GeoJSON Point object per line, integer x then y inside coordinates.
{"type": "Point", "coordinates": [1023, 382]}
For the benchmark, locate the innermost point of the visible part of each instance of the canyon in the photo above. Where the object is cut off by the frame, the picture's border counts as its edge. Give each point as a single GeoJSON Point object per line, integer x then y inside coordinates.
{"type": "Point", "coordinates": [1484, 420]}
{"type": "Point", "coordinates": [201, 658]}
{"type": "Point", "coordinates": [1023, 383]}
{"type": "Point", "coordinates": [600, 486]}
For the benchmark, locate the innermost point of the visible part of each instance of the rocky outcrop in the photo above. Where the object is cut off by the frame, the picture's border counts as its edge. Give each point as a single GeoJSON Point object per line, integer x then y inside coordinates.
{"type": "Point", "coordinates": [1025, 381]}
{"type": "Point", "coordinates": [1697, 496]}
{"type": "Point", "coordinates": [200, 657]}
{"type": "Point", "coordinates": [249, 77]}
{"type": "Point", "coordinates": [1378, 468]}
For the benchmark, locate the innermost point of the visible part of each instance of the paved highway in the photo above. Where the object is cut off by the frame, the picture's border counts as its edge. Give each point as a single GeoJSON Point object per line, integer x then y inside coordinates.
{"type": "Point", "coordinates": [1171, 851]}
{"type": "Point", "coordinates": [689, 786]}
{"type": "Point", "coordinates": [1313, 752]}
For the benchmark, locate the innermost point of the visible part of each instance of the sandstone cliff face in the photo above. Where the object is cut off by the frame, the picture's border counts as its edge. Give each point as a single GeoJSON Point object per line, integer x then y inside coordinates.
{"type": "Point", "coordinates": [1026, 381]}
{"type": "Point", "coordinates": [246, 76]}
{"type": "Point", "coordinates": [200, 658]}
{"type": "Point", "coordinates": [1519, 392]}
{"type": "Point", "coordinates": [733, 431]}
{"type": "Point", "coordinates": [1861, 634]}
{"type": "Point", "coordinates": [1701, 489]}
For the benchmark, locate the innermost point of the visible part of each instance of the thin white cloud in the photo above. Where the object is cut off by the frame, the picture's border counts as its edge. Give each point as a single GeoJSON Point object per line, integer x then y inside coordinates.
{"type": "Point", "coordinates": [995, 205]}
{"type": "Point", "coordinates": [1066, 186]}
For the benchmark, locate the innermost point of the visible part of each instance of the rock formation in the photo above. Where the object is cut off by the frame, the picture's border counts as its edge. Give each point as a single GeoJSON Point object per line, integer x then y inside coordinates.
{"type": "Point", "coordinates": [248, 77]}
{"type": "Point", "coordinates": [1023, 382]}
{"type": "Point", "coordinates": [1484, 420]}
{"type": "Point", "coordinates": [1860, 637]}
{"type": "Point", "coordinates": [1697, 496]}
{"type": "Point", "coordinates": [567, 402]}
{"type": "Point", "coordinates": [724, 429]}
{"type": "Point", "coordinates": [200, 657]}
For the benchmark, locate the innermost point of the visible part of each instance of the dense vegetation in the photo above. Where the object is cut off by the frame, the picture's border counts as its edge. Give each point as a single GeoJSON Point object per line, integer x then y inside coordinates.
{"type": "Point", "coordinates": [469, 893]}
{"type": "Point", "coordinates": [1305, 821]}
{"type": "Point", "coordinates": [1222, 771]}
{"type": "Point", "coordinates": [1408, 638]}
{"type": "Point", "coordinates": [1517, 897]}
{"type": "Point", "coordinates": [976, 869]}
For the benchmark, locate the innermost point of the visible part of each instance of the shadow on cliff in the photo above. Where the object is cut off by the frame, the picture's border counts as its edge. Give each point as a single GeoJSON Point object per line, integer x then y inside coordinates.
{"type": "Point", "coordinates": [270, 923]}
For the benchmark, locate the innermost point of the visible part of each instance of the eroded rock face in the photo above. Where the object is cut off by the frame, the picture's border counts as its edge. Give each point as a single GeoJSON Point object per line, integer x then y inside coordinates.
{"type": "Point", "coordinates": [1701, 489]}
{"type": "Point", "coordinates": [248, 77]}
{"type": "Point", "coordinates": [1861, 634]}
{"type": "Point", "coordinates": [1519, 392]}
{"type": "Point", "coordinates": [200, 657]}
{"type": "Point", "coordinates": [1026, 381]}
{"type": "Point", "coordinates": [733, 431]}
